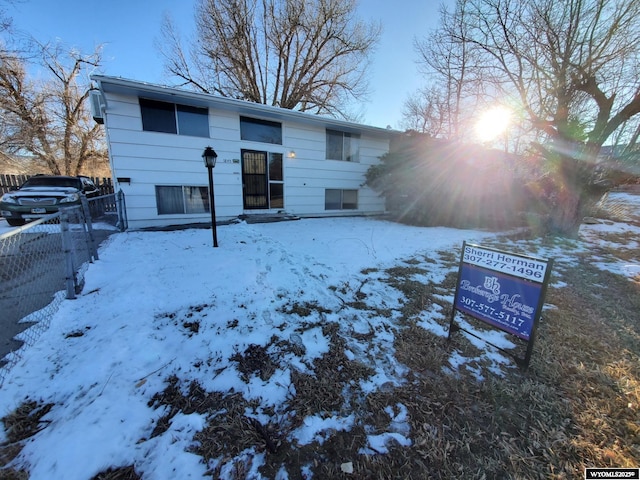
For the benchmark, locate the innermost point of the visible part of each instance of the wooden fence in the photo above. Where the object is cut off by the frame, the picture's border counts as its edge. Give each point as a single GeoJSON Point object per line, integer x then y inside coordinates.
{"type": "Point", "coordinates": [11, 182]}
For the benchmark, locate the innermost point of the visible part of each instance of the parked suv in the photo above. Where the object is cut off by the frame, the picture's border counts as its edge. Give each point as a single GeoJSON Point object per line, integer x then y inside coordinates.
{"type": "Point", "coordinates": [44, 194]}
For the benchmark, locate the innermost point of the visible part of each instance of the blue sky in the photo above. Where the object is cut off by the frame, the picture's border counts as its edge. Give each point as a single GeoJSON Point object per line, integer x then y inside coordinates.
{"type": "Point", "coordinates": [128, 30]}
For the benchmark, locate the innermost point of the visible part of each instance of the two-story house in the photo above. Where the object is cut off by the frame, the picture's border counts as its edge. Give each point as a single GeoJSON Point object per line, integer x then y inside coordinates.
{"type": "Point", "coordinates": [270, 160]}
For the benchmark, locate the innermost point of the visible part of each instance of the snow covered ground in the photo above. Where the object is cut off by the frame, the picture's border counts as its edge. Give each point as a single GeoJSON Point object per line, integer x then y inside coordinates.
{"type": "Point", "coordinates": [108, 352]}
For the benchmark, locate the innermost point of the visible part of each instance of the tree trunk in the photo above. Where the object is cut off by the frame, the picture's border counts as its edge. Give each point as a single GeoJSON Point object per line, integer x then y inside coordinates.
{"type": "Point", "coordinates": [575, 196]}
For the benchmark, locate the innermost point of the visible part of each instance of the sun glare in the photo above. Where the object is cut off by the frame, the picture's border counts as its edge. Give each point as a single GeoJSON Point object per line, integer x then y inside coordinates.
{"type": "Point", "coordinates": [492, 123]}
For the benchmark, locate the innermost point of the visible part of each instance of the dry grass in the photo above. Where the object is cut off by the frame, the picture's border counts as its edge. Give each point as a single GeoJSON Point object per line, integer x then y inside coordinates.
{"type": "Point", "coordinates": [597, 340]}
{"type": "Point", "coordinates": [254, 360]}
{"type": "Point", "coordinates": [122, 473]}
{"type": "Point", "coordinates": [20, 425]}
{"type": "Point", "coordinates": [576, 406]}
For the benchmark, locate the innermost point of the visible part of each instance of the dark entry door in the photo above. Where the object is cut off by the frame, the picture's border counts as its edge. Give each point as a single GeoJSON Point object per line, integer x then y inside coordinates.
{"type": "Point", "coordinates": [255, 180]}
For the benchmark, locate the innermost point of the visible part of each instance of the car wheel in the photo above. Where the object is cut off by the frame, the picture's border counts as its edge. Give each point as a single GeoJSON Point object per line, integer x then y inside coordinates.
{"type": "Point", "coordinates": [15, 222]}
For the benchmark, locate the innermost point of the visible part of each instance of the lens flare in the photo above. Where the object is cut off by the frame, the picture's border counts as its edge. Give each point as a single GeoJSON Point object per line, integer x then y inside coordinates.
{"type": "Point", "coordinates": [492, 123]}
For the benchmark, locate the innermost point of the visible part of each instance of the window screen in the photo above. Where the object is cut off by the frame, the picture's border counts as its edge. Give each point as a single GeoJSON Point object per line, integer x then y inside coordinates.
{"type": "Point", "coordinates": [193, 121]}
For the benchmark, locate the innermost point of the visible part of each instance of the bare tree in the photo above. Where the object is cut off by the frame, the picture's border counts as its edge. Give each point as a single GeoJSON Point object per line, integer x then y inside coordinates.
{"type": "Point", "coordinates": [49, 120]}
{"type": "Point", "coordinates": [450, 68]}
{"type": "Point", "coordinates": [5, 20]}
{"type": "Point", "coordinates": [427, 111]}
{"type": "Point", "coordinates": [573, 67]}
{"type": "Point", "coordinates": [308, 55]}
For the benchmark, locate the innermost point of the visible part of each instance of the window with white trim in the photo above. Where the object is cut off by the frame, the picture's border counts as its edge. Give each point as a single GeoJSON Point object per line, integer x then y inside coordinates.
{"type": "Point", "coordinates": [180, 199]}
{"type": "Point", "coordinates": [337, 199]}
{"type": "Point", "coordinates": [343, 146]}
{"type": "Point", "coordinates": [168, 117]}
{"type": "Point", "coordinates": [258, 130]}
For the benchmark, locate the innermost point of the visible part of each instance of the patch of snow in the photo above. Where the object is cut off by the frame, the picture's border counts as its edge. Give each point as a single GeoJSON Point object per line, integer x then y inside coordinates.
{"type": "Point", "coordinates": [143, 298]}
{"type": "Point", "coordinates": [316, 429]}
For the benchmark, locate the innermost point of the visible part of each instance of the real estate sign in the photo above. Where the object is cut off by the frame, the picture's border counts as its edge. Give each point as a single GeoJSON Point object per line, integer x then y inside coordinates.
{"type": "Point", "coordinates": [503, 289]}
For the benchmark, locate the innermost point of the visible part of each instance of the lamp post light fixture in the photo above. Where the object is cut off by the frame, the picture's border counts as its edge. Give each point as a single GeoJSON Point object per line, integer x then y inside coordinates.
{"type": "Point", "coordinates": [209, 156]}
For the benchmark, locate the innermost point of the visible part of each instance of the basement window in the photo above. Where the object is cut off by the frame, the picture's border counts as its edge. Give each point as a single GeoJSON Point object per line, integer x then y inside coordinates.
{"type": "Point", "coordinates": [336, 199]}
{"type": "Point", "coordinates": [180, 199]}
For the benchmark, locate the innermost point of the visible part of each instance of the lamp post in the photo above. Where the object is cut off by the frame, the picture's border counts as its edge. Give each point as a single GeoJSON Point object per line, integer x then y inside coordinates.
{"type": "Point", "coordinates": [209, 156]}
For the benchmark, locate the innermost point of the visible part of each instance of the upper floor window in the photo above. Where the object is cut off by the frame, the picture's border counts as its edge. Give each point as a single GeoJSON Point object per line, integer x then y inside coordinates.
{"type": "Point", "coordinates": [256, 130]}
{"type": "Point", "coordinates": [174, 118]}
{"type": "Point", "coordinates": [343, 146]}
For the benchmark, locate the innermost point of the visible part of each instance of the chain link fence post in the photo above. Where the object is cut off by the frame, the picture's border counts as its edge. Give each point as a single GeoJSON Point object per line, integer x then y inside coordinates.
{"type": "Point", "coordinates": [91, 241]}
{"type": "Point", "coordinates": [44, 262]}
{"type": "Point", "coordinates": [67, 249]}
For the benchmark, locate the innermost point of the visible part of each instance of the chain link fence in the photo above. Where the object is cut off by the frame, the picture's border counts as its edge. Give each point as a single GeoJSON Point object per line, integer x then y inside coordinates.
{"type": "Point", "coordinates": [43, 263]}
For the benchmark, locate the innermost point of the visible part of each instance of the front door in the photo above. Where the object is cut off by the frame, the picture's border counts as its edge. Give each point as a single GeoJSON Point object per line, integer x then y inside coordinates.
{"type": "Point", "coordinates": [255, 186]}
{"type": "Point", "coordinates": [262, 180]}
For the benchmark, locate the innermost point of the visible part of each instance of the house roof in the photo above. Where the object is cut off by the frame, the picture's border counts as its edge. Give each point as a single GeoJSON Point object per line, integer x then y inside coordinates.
{"type": "Point", "coordinates": [619, 152]}
{"type": "Point", "coordinates": [119, 85]}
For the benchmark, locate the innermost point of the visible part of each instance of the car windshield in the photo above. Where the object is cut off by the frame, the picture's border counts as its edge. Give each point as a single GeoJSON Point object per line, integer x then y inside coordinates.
{"type": "Point", "coordinates": [52, 182]}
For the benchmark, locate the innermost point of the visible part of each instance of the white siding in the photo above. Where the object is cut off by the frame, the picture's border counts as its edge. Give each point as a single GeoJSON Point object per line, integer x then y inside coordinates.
{"type": "Point", "coordinates": [309, 173]}
{"type": "Point", "coordinates": [152, 158]}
